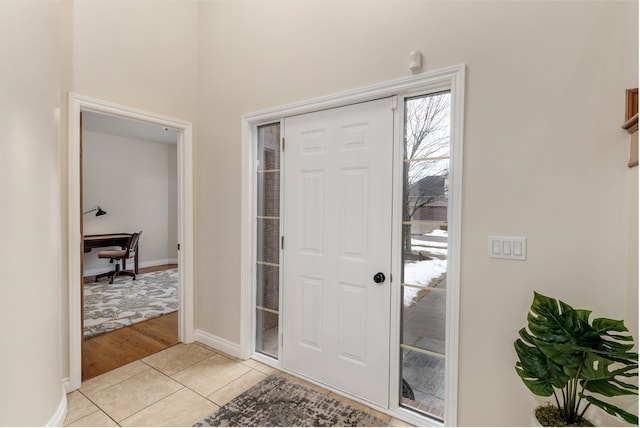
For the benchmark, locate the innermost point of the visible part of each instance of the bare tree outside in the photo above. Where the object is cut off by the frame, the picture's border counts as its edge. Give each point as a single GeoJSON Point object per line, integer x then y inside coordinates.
{"type": "Point", "coordinates": [426, 169]}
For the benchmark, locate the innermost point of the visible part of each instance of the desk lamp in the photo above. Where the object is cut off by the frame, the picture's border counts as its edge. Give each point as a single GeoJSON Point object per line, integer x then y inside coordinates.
{"type": "Point", "coordinates": [98, 214]}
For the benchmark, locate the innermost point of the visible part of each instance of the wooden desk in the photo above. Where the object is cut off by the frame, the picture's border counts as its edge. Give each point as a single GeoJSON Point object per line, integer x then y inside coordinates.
{"type": "Point", "coordinates": [110, 240]}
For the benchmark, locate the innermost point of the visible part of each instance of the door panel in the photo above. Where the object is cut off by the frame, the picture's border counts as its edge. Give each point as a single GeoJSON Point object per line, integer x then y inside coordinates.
{"type": "Point", "coordinates": [313, 221]}
{"type": "Point", "coordinates": [311, 313]}
{"type": "Point", "coordinates": [353, 316]}
{"type": "Point", "coordinates": [337, 226]}
{"type": "Point", "coordinates": [353, 213]}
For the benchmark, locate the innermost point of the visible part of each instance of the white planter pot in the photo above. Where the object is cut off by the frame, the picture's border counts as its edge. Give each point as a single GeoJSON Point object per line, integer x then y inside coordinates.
{"type": "Point", "coordinates": [534, 420]}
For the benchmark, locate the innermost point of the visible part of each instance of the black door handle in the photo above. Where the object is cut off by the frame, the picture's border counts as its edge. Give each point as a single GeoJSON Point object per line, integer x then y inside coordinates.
{"type": "Point", "coordinates": [378, 278]}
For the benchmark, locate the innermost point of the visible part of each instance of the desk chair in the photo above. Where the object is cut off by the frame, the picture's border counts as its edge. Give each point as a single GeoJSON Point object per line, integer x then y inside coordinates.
{"type": "Point", "coordinates": [118, 255]}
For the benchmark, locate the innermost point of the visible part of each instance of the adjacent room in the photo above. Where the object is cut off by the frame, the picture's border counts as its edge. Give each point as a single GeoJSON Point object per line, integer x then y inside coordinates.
{"type": "Point", "coordinates": [130, 169]}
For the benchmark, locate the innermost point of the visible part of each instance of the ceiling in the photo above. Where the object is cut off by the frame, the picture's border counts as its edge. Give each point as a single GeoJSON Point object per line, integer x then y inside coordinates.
{"type": "Point", "coordinates": [128, 128]}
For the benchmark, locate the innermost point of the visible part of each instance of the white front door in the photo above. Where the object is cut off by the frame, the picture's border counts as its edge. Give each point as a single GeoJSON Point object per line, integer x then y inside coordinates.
{"type": "Point", "coordinates": [337, 229]}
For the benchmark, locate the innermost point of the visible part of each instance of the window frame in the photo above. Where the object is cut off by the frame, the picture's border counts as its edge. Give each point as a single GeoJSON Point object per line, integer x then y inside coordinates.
{"type": "Point", "coordinates": [399, 164]}
{"type": "Point", "coordinates": [262, 355]}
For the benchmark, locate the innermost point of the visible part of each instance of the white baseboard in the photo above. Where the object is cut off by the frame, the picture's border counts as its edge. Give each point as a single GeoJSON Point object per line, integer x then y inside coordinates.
{"type": "Point", "coordinates": [57, 419]}
{"type": "Point", "coordinates": [97, 271]}
{"type": "Point", "coordinates": [218, 343]}
{"type": "Point", "coordinates": [66, 385]}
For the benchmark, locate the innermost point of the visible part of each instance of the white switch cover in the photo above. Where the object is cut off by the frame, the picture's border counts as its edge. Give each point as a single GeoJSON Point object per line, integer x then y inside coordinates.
{"type": "Point", "coordinates": [517, 248]}
{"type": "Point", "coordinates": [508, 247]}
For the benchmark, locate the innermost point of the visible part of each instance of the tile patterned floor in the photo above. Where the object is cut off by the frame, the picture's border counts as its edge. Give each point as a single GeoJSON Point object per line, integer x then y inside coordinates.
{"type": "Point", "coordinates": [175, 387]}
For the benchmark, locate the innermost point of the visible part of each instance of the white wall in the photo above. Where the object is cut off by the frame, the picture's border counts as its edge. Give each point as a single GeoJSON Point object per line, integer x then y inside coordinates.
{"type": "Point", "coordinates": [31, 391]}
{"type": "Point", "coordinates": [544, 158]}
{"type": "Point", "coordinates": [134, 182]}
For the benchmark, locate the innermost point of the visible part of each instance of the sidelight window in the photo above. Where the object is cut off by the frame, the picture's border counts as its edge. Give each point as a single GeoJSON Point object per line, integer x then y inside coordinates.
{"type": "Point", "coordinates": [268, 239]}
{"type": "Point", "coordinates": [425, 235]}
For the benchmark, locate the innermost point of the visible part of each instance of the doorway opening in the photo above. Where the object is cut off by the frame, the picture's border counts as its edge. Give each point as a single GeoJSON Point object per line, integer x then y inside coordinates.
{"type": "Point", "coordinates": [129, 186]}
{"type": "Point", "coordinates": [266, 313]}
{"type": "Point", "coordinates": [183, 223]}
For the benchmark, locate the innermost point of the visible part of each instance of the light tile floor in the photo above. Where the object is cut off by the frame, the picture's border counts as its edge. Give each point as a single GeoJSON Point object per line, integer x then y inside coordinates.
{"type": "Point", "coordinates": [175, 387]}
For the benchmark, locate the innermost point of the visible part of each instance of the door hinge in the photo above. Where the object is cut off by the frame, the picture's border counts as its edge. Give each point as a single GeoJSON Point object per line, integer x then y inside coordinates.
{"type": "Point", "coordinates": [283, 144]}
{"type": "Point", "coordinates": [178, 245]}
{"type": "Point", "coordinates": [282, 242]}
{"type": "Point", "coordinates": [394, 102]}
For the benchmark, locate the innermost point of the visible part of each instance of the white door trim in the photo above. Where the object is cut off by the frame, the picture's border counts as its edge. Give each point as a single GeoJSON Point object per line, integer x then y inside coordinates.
{"type": "Point", "coordinates": [451, 78]}
{"type": "Point", "coordinates": [78, 103]}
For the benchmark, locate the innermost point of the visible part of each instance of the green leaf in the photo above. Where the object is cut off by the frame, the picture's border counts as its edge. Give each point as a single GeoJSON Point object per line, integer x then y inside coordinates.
{"type": "Point", "coordinates": [599, 379]}
{"type": "Point", "coordinates": [561, 332]}
{"type": "Point", "coordinates": [607, 328]}
{"type": "Point", "coordinates": [532, 369]}
{"type": "Point", "coordinates": [612, 410]}
{"type": "Point", "coordinates": [533, 364]}
{"type": "Point", "coordinates": [540, 387]}
{"type": "Point", "coordinates": [604, 325]}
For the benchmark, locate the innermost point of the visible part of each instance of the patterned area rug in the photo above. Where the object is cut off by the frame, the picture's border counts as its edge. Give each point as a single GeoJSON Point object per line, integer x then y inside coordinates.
{"type": "Point", "coordinates": [108, 307]}
{"type": "Point", "coordinates": [278, 402]}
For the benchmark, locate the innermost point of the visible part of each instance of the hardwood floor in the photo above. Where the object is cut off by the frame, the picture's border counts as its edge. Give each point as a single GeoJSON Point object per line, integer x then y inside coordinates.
{"type": "Point", "coordinates": [108, 351]}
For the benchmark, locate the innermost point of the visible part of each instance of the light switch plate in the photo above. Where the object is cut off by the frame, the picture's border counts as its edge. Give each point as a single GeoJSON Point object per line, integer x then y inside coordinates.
{"type": "Point", "coordinates": [508, 247]}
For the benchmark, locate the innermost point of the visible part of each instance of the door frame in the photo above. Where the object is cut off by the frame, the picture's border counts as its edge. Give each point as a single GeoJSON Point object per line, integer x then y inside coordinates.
{"type": "Point", "coordinates": [452, 79]}
{"type": "Point", "coordinates": [77, 104]}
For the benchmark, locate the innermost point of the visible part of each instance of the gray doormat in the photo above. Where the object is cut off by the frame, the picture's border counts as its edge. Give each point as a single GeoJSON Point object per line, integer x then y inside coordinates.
{"type": "Point", "coordinates": [278, 402]}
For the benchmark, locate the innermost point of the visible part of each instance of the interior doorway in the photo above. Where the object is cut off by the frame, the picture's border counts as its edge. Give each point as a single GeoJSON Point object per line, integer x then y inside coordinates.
{"type": "Point", "coordinates": [184, 200]}
{"type": "Point", "coordinates": [129, 184]}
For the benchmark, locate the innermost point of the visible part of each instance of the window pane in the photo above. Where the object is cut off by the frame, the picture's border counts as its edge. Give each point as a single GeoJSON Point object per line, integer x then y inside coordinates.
{"type": "Point", "coordinates": [269, 147]}
{"type": "Point", "coordinates": [427, 183]}
{"type": "Point", "coordinates": [267, 333]}
{"type": "Point", "coordinates": [269, 194]}
{"type": "Point", "coordinates": [423, 319]}
{"type": "Point", "coordinates": [267, 293]}
{"type": "Point", "coordinates": [423, 383]}
{"type": "Point", "coordinates": [427, 126]}
{"type": "Point", "coordinates": [268, 233]}
{"type": "Point", "coordinates": [425, 259]}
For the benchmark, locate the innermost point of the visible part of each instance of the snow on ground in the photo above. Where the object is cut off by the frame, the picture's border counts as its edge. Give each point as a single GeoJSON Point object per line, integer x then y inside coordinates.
{"type": "Point", "coordinates": [421, 273]}
{"type": "Point", "coordinates": [430, 250]}
{"type": "Point", "coordinates": [437, 232]}
{"type": "Point", "coordinates": [419, 243]}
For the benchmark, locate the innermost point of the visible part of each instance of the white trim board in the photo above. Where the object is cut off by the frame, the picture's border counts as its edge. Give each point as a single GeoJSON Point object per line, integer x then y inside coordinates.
{"type": "Point", "coordinates": [217, 343]}
{"type": "Point", "coordinates": [453, 79]}
{"type": "Point", "coordinates": [77, 104]}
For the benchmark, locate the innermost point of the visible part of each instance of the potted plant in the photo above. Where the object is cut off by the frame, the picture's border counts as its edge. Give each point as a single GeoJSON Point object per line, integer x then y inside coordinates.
{"type": "Point", "coordinates": [562, 354]}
